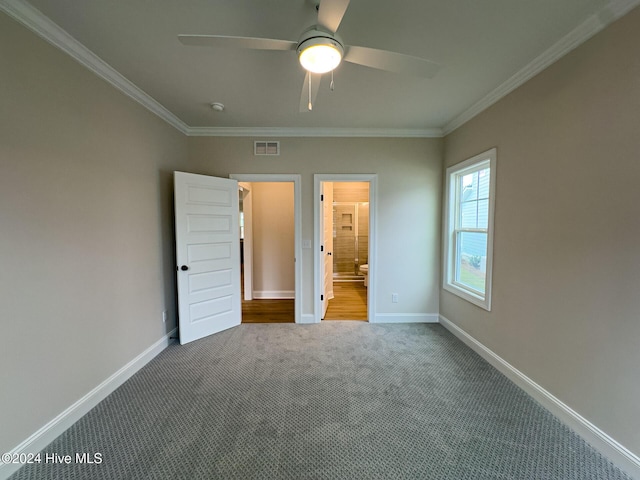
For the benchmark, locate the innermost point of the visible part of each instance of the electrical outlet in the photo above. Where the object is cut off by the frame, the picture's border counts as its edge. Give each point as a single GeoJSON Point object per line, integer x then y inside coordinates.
{"type": "Point", "coordinates": [164, 316]}
{"type": "Point", "coordinates": [394, 298]}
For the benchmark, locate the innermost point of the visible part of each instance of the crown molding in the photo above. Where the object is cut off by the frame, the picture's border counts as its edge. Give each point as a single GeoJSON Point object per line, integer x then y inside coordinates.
{"type": "Point", "coordinates": [42, 26]}
{"type": "Point", "coordinates": [312, 132]}
{"type": "Point", "coordinates": [587, 29]}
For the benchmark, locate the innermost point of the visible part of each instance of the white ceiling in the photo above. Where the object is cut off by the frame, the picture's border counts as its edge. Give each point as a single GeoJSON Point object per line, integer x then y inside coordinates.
{"type": "Point", "coordinates": [485, 47]}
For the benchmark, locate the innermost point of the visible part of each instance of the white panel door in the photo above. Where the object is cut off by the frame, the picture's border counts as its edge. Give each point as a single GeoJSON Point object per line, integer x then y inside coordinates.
{"type": "Point", "coordinates": [327, 239]}
{"type": "Point", "coordinates": [207, 254]}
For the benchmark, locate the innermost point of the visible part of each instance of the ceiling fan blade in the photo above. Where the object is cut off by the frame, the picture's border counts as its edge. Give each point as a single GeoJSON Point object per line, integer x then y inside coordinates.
{"type": "Point", "coordinates": [391, 62]}
{"type": "Point", "coordinates": [330, 13]}
{"type": "Point", "coordinates": [237, 42]}
{"type": "Point", "coordinates": [304, 95]}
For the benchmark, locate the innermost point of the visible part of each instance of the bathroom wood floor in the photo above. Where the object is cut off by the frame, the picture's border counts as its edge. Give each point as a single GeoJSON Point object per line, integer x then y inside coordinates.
{"type": "Point", "coordinates": [349, 302]}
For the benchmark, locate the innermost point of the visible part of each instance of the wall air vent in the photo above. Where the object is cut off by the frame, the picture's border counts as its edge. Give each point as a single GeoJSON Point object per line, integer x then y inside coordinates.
{"type": "Point", "coordinates": [266, 148]}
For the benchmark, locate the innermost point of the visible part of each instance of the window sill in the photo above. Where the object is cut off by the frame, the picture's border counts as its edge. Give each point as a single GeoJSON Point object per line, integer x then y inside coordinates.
{"type": "Point", "coordinates": [482, 302]}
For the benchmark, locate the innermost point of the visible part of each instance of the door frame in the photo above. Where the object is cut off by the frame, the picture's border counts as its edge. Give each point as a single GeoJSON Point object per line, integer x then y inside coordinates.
{"type": "Point", "coordinates": [318, 266]}
{"type": "Point", "coordinates": [325, 209]}
{"type": "Point", "coordinates": [297, 216]}
{"type": "Point", "coordinates": [247, 209]}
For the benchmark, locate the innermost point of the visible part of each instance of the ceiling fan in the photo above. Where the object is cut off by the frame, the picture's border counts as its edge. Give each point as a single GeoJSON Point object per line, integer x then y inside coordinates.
{"type": "Point", "coordinates": [320, 50]}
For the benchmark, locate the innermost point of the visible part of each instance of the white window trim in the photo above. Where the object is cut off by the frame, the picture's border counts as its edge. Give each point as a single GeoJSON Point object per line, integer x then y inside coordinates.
{"type": "Point", "coordinates": [489, 159]}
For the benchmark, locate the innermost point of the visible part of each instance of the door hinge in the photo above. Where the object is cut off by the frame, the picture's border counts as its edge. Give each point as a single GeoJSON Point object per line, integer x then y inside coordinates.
{"type": "Point", "coordinates": [321, 297]}
{"type": "Point", "coordinates": [322, 198]}
{"type": "Point", "coordinates": [322, 248]}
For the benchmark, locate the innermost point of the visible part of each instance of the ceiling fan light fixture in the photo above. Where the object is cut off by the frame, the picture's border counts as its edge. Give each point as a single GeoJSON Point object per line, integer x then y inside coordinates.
{"type": "Point", "coordinates": [320, 54]}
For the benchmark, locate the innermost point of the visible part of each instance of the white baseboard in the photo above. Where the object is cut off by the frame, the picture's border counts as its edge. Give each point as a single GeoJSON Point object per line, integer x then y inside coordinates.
{"type": "Point", "coordinates": [405, 318]}
{"type": "Point", "coordinates": [49, 432]}
{"type": "Point", "coordinates": [307, 318]}
{"type": "Point", "coordinates": [610, 448]}
{"type": "Point", "coordinates": [273, 294]}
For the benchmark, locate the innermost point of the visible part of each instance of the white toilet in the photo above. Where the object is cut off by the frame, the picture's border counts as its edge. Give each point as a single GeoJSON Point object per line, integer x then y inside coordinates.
{"type": "Point", "coordinates": [364, 270]}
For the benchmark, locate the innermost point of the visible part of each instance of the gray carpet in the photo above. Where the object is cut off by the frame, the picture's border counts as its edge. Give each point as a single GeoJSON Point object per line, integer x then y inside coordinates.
{"type": "Point", "coordinates": [330, 401]}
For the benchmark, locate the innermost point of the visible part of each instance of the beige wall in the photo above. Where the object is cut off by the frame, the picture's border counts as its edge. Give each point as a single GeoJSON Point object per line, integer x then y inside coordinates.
{"type": "Point", "coordinates": [409, 195]}
{"type": "Point", "coordinates": [86, 234]}
{"type": "Point", "coordinates": [566, 309]}
{"type": "Point", "coordinates": [273, 240]}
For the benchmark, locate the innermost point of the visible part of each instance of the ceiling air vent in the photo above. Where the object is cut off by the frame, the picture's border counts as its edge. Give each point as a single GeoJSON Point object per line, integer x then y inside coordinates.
{"type": "Point", "coordinates": [266, 148]}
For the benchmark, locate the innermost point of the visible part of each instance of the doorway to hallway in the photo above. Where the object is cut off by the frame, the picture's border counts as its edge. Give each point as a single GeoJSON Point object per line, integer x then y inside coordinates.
{"type": "Point", "coordinates": [270, 231]}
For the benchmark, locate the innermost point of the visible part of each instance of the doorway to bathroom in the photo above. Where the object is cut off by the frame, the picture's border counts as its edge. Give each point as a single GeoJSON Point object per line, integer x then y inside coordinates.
{"type": "Point", "coordinates": [344, 220]}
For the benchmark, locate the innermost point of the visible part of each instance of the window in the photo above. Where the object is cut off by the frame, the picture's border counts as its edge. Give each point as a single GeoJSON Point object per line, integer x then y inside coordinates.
{"type": "Point", "coordinates": [468, 242]}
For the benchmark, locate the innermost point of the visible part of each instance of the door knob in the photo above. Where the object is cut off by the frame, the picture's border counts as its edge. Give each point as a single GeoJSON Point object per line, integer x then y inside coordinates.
{"type": "Point", "coordinates": [184, 268]}
{"type": "Point", "coordinates": [328, 253]}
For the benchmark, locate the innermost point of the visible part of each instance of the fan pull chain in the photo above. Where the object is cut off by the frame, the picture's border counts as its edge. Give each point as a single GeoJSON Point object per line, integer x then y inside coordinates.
{"type": "Point", "coordinates": [310, 106]}
{"type": "Point", "coordinates": [331, 86]}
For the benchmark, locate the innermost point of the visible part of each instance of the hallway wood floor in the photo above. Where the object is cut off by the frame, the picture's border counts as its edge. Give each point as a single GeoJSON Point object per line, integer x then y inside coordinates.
{"type": "Point", "coordinates": [349, 302]}
{"type": "Point", "coordinates": [266, 310]}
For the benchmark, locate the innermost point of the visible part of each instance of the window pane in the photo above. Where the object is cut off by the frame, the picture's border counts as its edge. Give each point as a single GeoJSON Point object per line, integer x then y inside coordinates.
{"type": "Point", "coordinates": [471, 260]}
{"type": "Point", "coordinates": [469, 215]}
{"type": "Point", "coordinates": [483, 214]}
{"type": "Point", "coordinates": [469, 187]}
{"type": "Point", "coordinates": [483, 183]}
